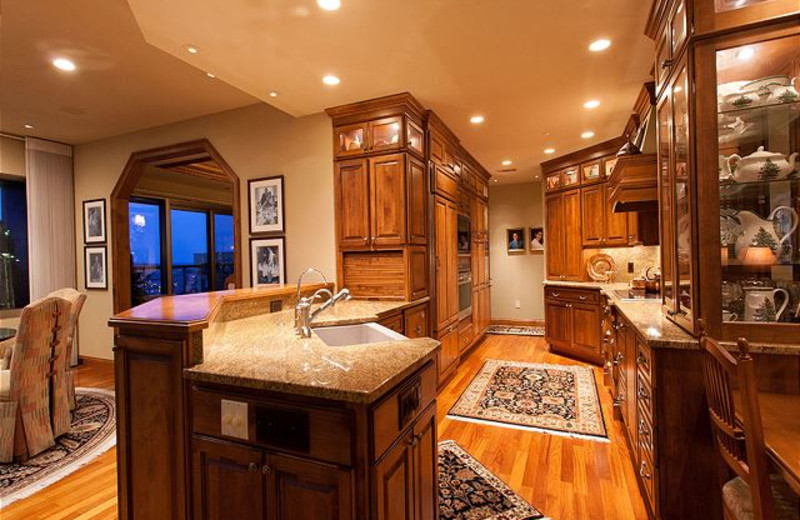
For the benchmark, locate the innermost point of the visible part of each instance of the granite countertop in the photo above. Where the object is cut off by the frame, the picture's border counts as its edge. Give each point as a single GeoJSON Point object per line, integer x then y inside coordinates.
{"type": "Point", "coordinates": [264, 352]}
{"type": "Point", "coordinates": [660, 332]}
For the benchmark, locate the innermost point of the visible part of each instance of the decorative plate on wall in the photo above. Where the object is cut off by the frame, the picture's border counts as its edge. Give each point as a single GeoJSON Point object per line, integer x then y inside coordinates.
{"type": "Point", "coordinates": [601, 267]}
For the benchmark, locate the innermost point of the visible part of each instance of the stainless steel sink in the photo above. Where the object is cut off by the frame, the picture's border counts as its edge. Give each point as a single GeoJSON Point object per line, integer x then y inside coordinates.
{"type": "Point", "coordinates": [363, 334]}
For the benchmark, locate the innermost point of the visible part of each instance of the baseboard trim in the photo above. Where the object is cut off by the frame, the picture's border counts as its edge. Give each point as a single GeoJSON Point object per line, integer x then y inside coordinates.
{"type": "Point", "coordinates": [519, 323]}
{"type": "Point", "coordinates": [89, 360]}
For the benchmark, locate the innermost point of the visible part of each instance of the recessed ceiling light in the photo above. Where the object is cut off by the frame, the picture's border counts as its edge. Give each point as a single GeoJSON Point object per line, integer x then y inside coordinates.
{"type": "Point", "coordinates": [507, 162]}
{"type": "Point", "coordinates": [329, 5]}
{"type": "Point", "coordinates": [746, 53]}
{"type": "Point", "coordinates": [549, 151]}
{"type": "Point", "coordinates": [191, 49]}
{"type": "Point", "coordinates": [210, 75]}
{"type": "Point", "coordinates": [476, 120]}
{"type": "Point", "coordinates": [274, 93]}
{"type": "Point", "coordinates": [29, 126]}
{"type": "Point", "coordinates": [592, 103]}
{"type": "Point", "coordinates": [599, 45]}
{"type": "Point", "coordinates": [587, 135]}
{"type": "Point", "coordinates": [330, 79]}
{"type": "Point", "coordinates": [495, 180]}
{"type": "Point", "coordinates": [64, 64]}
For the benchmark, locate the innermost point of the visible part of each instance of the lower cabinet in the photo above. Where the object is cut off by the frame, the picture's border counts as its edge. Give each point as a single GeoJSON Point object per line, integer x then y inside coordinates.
{"type": "Point", "coordinates": [234, 482]}
{"type": "Point", "coordinates": [573, 322]}
{"type": "Point", "coordinates": [448, 352]}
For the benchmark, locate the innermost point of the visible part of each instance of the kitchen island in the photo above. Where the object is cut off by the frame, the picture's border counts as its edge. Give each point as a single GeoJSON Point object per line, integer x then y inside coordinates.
{"type": "Point", "coordinates": [225, 412]}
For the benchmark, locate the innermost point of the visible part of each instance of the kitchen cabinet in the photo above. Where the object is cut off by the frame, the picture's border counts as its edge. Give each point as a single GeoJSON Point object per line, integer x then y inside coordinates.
{"type": "Point", "coordinates": [352, 187]}
{"type": "Point", "coordinates": [448, 352]}
{"type": "Point", "coordinates": [573, 322]}
{"type": "Point", "coordinates": [601, 227]}
{"type": "Point", "coordinates": [727, 104]}
{"type": "Point", "coordinates": [446, 232]}
{"type": "Point", "coordinates": [375, 136]}
{"type": "Point", "coordinates": [416, 321]}
{"type": "Point", "coordinates": [565, 251]}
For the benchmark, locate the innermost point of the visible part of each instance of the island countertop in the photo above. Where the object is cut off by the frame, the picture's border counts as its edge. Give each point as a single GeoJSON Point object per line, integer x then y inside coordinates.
{"type": "Point", "coordinates": [264, 352]}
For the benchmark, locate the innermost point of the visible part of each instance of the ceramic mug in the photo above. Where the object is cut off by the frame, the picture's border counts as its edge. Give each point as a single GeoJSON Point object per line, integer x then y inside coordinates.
{"type": "Point", "coordinates": [729, 316]}
{"type": "Point", "coordinates": [756, 299]}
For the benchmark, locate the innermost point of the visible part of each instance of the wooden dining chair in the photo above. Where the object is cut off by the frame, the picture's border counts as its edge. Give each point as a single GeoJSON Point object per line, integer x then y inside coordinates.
{"type": "Point", "coordinates": [739, 437]}
{"type": "Point", "coordinates": [25, 387]}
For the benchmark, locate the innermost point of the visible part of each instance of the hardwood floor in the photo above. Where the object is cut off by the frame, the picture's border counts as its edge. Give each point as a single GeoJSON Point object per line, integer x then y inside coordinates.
{"type": "Point", "coordinates": [566, 479]}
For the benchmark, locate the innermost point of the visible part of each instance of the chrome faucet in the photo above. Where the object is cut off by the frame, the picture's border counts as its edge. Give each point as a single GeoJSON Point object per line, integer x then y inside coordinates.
{"type": "Point", "coordinates": [303, 317]}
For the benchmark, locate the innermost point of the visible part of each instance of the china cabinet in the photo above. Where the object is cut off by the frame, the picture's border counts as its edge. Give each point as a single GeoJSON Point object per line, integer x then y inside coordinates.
{"type": "Point", "coordinates": [728, 115]}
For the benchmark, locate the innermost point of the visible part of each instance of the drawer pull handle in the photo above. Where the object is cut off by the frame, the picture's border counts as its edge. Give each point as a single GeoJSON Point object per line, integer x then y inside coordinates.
{"type": "Point", "coordinates": [643, 429]}
{"type": "Point", "coordinates": [643, 394]}
{"type": "Point", "coordinates": [641, 360]}
{"type": "Point", "coordinates": [556, 294]}
{"type": "Point", "coordinates": [583, 298]}
{"type": "Point", "coordinates": [252, 467]}
{"type": "Point", "coordinates": [643, 471]}
{"type": "Point", "coordinates": [266, 470]}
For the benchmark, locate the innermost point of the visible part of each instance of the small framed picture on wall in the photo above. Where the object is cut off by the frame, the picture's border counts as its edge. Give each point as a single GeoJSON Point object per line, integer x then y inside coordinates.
{"type": "Point", "coordinates": [265, 200]}
{"type": "Point", "coordinates": [95, 267]}
{"type": "Point", "coordinates": [515, 240]}
{"type": "Point", "coordinates": [267, 261]}
{"type": "Point", "coordinates": [537, 239]}
{"type": "Point", "coordinates": [94, 221]}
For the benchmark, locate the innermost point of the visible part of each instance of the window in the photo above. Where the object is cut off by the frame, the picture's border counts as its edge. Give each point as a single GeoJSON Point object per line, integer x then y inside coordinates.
{"type": "Point", "coordinates": [178, 248]}
{"type": "Point", "coordinates": [14, 289]}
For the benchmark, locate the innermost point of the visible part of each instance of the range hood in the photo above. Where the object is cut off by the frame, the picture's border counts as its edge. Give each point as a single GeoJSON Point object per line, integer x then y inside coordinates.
{"type": "Point", "coordinates": [633, 184]}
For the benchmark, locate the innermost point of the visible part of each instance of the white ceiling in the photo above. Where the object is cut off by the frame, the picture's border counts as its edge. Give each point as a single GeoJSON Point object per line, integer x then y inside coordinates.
{"type": "Point", "coordinates": [523, 64]}
{"type": "Point", "coordinates": [121, 84]}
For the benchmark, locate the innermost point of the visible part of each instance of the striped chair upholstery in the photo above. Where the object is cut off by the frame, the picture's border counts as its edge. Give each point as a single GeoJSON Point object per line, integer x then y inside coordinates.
{"type": "Point", "coordinates": [67, 382]}
{"type": "Point", "coordinates": [25, 423]}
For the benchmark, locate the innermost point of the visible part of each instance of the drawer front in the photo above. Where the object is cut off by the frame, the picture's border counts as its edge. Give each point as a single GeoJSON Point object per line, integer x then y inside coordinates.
{"type": "Point", "coordinates": [648, 477]}
{"type": "Point", "coordinates": [398, 410]}
{"type": "Point", "coordinates": [325, 433]}
{"type": "Point", "coordinates": [646, 436]}
{"type": "Point", "coordinates": [572, 295]}
{"type": "Point", "coordinates": [394, 322]}
{"type": "Point", "coordinates": [644, 360]}
{"type": "Point", "coordinates": [445, 185]}
{"type": "Point", "coordinates": [416, 321]}
{"type": "Point", "coordinates": [465, 335]}
{"type": "Point", "coordinates": [644, 396]}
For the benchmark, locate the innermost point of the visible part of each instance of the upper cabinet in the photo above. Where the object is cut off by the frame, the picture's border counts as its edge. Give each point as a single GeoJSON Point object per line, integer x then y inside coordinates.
{"type": "Point", "coordinates": [377, 136]}
{"type": "Point", "coordinates": [729, 168]}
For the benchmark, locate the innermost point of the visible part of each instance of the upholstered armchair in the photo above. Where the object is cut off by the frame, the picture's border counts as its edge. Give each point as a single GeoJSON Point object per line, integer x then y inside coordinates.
{"type": "Point", "coordinates": [76, 300]}
{"type": "Point", "coordinates": [25, 421]}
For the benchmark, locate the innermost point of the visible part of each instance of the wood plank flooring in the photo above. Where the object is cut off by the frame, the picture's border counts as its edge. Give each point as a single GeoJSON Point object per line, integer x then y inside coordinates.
{"type": "Point", "coordinates": [566, 479]}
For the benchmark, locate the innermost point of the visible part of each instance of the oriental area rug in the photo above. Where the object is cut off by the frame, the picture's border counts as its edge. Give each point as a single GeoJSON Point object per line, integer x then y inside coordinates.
{"type": "Point", "coordinates": [469, 491]}
{"type": "Point", "coordinates": [555, 399]}
{"type": "Point", "coordinates": [515, 330]}
{"type": "Point", "coordinates": [92, 433]}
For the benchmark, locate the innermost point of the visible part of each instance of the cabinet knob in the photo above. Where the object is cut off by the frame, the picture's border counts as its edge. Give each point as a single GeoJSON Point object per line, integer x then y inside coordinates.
{"type": "Point", "coordinates": [643, 394]}
{"type": "Point", "coordinates": [366, 240]}
{"type": "Point", "coordinates": [266, 470]}
{"type": "Point", "coordinates": [643, 471]}
{"type": "Point", "coordinates": [252, 467]}
{"type": "Point", "coordinates": [418, 330]}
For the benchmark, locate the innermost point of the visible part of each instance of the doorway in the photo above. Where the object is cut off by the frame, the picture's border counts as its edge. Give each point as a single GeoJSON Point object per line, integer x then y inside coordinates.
{"type": "Point", "coordinates": [175, 221]}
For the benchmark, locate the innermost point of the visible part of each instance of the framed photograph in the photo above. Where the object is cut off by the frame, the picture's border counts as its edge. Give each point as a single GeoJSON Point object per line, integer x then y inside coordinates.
{"type": "Point", "coordinates": [94, 221]}
{"type": "Point", "coordinates": [515, 240]}
{"type": "Point", "coordinates": [96, 267]}
{"type": "Point", "coordinates": [537, 239]}
{"type": "Point", "coordinates": [267, 261]}
{"type": "Point", "coordinates": [265, 198]}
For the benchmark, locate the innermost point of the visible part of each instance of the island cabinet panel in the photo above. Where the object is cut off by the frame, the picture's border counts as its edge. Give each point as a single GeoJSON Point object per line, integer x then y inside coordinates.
{"type": "Point", "coordinates": [416, 321]}
{"type": "Point", "coordinates": [387, 200]}
{"type": "Point", "coordinates": [448, 353]}
{"type": "Point", "coordinates": [301, 489]}
{"type": "Point", "coordinates": [352, 195]}
{"type": "Point", "coordinates": [573, 320]}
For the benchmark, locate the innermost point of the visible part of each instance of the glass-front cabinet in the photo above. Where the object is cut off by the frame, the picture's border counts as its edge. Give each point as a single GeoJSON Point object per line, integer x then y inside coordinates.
{"type": "Point", "coordinates": [728, 117]}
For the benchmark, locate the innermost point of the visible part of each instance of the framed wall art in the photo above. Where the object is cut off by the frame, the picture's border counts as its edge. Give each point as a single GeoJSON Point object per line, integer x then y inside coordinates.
{"type": "Point", "coordinates": [94, 221]}
{"type": "Point", "coordinates": [265, 202]}
{"type": "Point", "coordinates": [267, 261]}
{"type": "Point", "coordinates": [95, 267]}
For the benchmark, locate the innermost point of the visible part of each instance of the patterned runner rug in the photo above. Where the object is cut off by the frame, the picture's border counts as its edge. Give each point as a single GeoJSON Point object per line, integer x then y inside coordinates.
{"type": "Point", "coordinates": [557, 399]}
{"type": "Point", "coordinates": [469, 491]}
{"type": "Point", "coordinates": [515, 330]}
{"type": "Point", "coordinates": [93, 432]}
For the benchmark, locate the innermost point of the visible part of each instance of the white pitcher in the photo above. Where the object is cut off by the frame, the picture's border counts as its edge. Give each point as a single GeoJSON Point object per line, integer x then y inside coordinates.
{"type": "Point", "coordinates": [752, 223]}
{"type": "Point", "coordinates": [755, 298]}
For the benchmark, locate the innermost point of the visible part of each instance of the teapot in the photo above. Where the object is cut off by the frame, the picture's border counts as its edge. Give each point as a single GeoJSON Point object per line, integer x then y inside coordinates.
{"type": "Point", "coordinates": [759, 303]}
{"type": "Point", "coordinates": [761, 165]}
{"type": "Point", "coordinates": [757, 231]}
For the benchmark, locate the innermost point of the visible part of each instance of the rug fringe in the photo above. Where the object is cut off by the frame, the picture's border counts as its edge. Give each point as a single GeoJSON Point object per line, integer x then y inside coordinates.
{"type": "Point", "coordinates": [533, 429]}
{"type": "Point", "coordinates": [88, 458]}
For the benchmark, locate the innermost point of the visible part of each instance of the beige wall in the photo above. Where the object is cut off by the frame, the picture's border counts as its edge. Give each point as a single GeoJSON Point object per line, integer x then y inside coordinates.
{"type": "Point", "coordinates": [516, 277]}
{"type": "Point", "coordinates": [257, 141]}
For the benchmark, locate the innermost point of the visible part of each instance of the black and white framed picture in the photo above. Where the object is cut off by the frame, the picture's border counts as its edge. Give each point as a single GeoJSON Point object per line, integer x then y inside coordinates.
{"type": "Point", "coordinates": [267, 261]}
{"type": "Point", "coordinates": [266, 205]}
{"type": "Point", "coordinates": [94, 221]}
{"type": "Point", "coordinates": [96, 267]}
{"type": "Point", "coordinates": [515, 240]}
{"type": "Point", "coordinates": [537, 239]}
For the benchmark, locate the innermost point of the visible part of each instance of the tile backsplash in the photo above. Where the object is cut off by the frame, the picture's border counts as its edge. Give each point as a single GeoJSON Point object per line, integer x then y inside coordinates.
{"type": "Point", "coordinates": [641, 256]}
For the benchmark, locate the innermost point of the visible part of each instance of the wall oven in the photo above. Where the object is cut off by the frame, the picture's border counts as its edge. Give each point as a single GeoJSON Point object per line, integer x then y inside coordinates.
{"type": "Point", "coordinates": [464, 268]}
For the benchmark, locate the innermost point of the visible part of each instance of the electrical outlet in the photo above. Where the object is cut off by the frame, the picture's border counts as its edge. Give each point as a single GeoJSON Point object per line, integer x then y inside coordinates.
{"type": "Point", "coordinates": [233, 416]}
{"type": "Point", "coordinates": [517, 304]}
{"type": "Point", "coordinates": [630, 267]}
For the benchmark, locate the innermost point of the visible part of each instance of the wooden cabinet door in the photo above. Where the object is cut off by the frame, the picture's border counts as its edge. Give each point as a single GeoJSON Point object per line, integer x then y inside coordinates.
{"type": "Point", "coordinates": [417, 197]}
{"type": "Point", "coordinates": [352, 202]}
{"type": "Point", "coordinates": [228, 481]}
{"type": "Point", "coordinates": [426, 473]}
{"type": "Point", "coordinates": [558, 326]}
{"type": "Point", "coordinates": [586, 329]}
{"type": "Point", "coordinates": [554, 211]}
{"type": "Point", "coordinates": [416, 322]}
{"type": "Point", "coordinates": [593, 210]}
{"type": "Point", "coordinates": [385, 134]}
{"type": "Point", "coordinates": [617, 225]}
{"type": "Point", "coordinates": [573, 247]}
{"type": "Point", "coordinates": [441, 265]}
{"type": "Point", "coordinates": [394, 482]}
{"type": "Point", "coordinates": [349, 140]}
{"type": "Point", "coordinates": [452, 261]}
{"type": "Point", "coordinates": [302, 489]}
{"type": "Point", "coordinates": [387, 200]}
{"type": "Point", "coordinates": [394, 323]}
{"type": "Point", "coordinates": [448, 353]}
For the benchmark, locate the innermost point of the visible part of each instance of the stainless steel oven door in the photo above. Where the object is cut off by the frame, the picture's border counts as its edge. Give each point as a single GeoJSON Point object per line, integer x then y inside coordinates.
{"type": "Point", "coordinates": [464, 297]}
